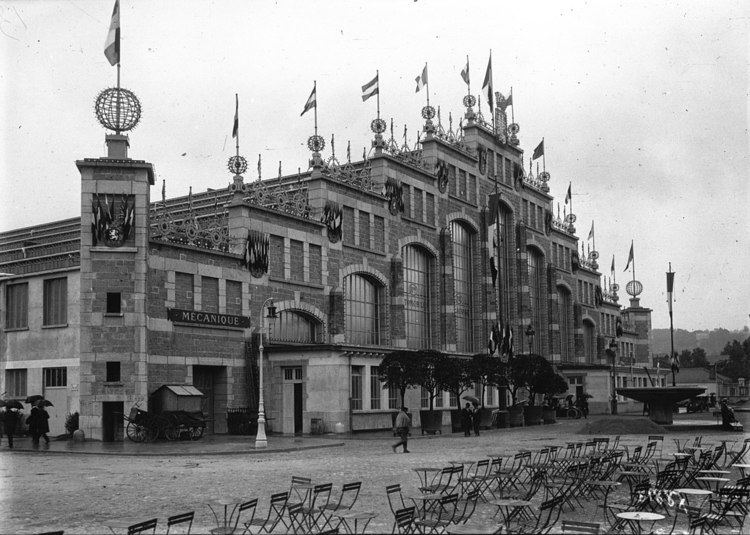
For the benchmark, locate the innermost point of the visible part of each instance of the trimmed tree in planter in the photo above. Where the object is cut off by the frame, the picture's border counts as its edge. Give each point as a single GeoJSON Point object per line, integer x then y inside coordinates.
{"type": "Point", "coordinates": [430, 363]}
{"type": "Point", "coordinates": [532, 372]}
{"type": "Point", "coordinates": [488, 371]}
{"type": "Point", "coordinates": [549, 383]}
{"type": "Point", "coordinates": [456, 375]}
{"type": "Point", "coordinates": [400, 370]}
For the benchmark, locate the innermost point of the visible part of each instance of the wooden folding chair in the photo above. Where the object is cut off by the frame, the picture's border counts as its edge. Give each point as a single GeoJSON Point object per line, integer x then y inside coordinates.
{"type": "Point", "coordinates": [442, 516]}
{"type": "Point", "coordinates": [230, 528]}
{"type": "Point", "coordinates": [404, 521]}
{"type": "Point", "coordinates": [275, 515]}
{"type": "Point", "coordinates": [143, 527]}
{"type": "Point", "coordinates": [345, 501]}
{"type": "Point", "coordinates": [581, 528]}
{"type": "Point", "coordinates": [183, 518]}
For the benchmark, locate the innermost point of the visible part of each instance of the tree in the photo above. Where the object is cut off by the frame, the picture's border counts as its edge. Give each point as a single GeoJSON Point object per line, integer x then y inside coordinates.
{"type": "Point", "coordinates": [428, 362]}
{"type": "Point", "coordinates": [488, 371]}
{"type": "Point", "coordinates": [738, 362]}
{"type": "Point", "coordinates": [522, 372]}
{"type": "Point", "coordinates": [400, 370]}
{"type": "Point", "coordinates": [694, 359]}
{"type": "Point", "coordinates": [454, 374]}
{"type": "Point", "coordinates": [547, 382]}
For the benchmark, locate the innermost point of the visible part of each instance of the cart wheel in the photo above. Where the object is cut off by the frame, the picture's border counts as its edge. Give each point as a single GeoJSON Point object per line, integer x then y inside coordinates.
{"type": "Point", "coordinates": [172, 432]}
{"type": "Point", "coordinates": [196, 432]}
{"type": "Point", "coordinates": [574, 413]}
{"type": "Point", "coordinates": [135, 432]}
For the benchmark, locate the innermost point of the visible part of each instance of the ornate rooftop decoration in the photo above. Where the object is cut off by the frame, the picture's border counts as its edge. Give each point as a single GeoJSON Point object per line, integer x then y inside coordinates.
{"type": "Point", "coordinates": [117, 109]}
{"type": "Point", "coordinates": [405, 153]}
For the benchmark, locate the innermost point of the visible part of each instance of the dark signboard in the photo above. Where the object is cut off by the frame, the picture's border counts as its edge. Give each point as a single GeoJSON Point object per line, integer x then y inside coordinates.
{"type": "Point", "coordinates": [208, 318]}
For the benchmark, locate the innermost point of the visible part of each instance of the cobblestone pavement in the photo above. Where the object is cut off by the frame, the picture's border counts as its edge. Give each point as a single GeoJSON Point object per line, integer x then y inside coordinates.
{"type": "Point", "coordinates": [79, 493]}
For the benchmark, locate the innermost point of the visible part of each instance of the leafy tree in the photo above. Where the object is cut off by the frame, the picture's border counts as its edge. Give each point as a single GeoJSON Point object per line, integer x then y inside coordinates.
{"type": "Point", "coordinates": [429, 362]}
{"type": "Point", "coordinates": [454, 374]}
{"type": "Point", "coordinates": [400, 370]}
{"type": "Point", "coordinates": [737, 363]}
{"type": "Point", "coordinates": [522, 372]}
{"type": "Point", "coordinates": [488, 371]}
{"type": "Point", "coordinates": [693, 359]}
{"type": "Point", "coordinates": [547, 382]}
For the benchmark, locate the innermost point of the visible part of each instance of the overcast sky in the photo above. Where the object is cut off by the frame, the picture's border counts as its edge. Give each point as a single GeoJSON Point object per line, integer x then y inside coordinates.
{"type": "Point", "coordinates": [643, 108]}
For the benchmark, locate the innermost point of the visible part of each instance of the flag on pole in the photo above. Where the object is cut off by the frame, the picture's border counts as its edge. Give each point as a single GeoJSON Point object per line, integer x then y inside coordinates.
{"type": "Point", "coordinates": [591, 232]}
{"type": "Point", "coordinates": [487, 85]}
{"type": "Point", "coordinates": [370, 88]}
{"type": "Point", "coordinates": [568, 195]}
{"type": "Point", "coordinates": [112, 43]}
{"type": "Point", "coordinates": [539, 150]}
{"type": "Point", "coordinates": [236, 127]}
{"type": "Point", "coordinates": [670, 287]}
{"type": "Point", "coordinates": [465, 72]}
{"type": "Point", "coordinates": [509, 100]}
{"type": "Point", "coordinates": [612, 269]}
{"type": "Point", "coordinates": [312, 101]}
{"type": "Point", "coordinates": [421, 79]}
{"type": "Point", "coordinates": [630, 256]}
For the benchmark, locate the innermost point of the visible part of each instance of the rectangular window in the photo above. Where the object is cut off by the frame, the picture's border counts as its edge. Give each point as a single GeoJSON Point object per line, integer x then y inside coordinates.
{"type": "Point", "coordinates": [54, 377]}
{"type": "Point", "coordinates": [472, 186]}
{"type": "Point", "coordinates": [461, 184]}
{"type": "Point", "coordinates": [532, 215]}
{"type": "Point", "coordinates": [490, 395]}
{"type": "Point", "coordinates": [55, 310]}
{"type": "Point", "coordinates": [234, 298]}
{"type": "Point", "coordinates": [540, 217]}
{"type": "Point", "coordinates": [113, 371]}
{"type": "Point", "coordinates": [430, 209]}
{"type": "Point", "coordinates": [347, 222]}
{"type": "Point", "coordinates": [296, 260]}
{"type": "Point", "coordinates": [15, 383]}
{"type": "Point", "coordinates": [393, 396]}
{"type": "Point", "coordinates": [424, 399]}
{"type": "Point", "coordinates": [490, 163]}
{"type": "Point", "coordinates": [452, 181]}
{"type": "Point", "coordinates": [183, 291]}
{"type": "Point", "coordinates": [316, 264]}
{"type": "Point", "coordinates": [276, 256]}
{"type": "Point", "coordinates": [418, 205]}
{"type": "Point", "coordinates": [507, 171]}
{"type": "Point", "coordinates": [439, 400]}
{"type": "Point", "coordinates": [526, 212]}
{"type": "Point", "coordinates": [452, 400]}
{"type": "Point", "coordinates": [357, 388]}
{"type": "Point", "coordinates": [364, 229]}
{"type": "Point", "coordinates": [375, 388]}
{"type": "Point", "coordinates": [209, 294]}
{"type": "Point", "coordinates": [114, 303]}
{"type": "Point", "coordinates": [17, 306]}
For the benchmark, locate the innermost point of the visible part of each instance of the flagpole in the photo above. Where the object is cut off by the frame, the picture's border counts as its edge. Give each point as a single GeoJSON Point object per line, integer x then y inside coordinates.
{"type": "Point", "coordinates": [468, 76]}
{"type": "Point", "coordinates": [593, 235]}
{"type": "Point", "coordinates": [237, 110]}
{"type": "Point", "coordinates": [631, 246]}
{"type": "Point", "coordinates": [512, 107]}
{"type": "Point", "coordinates": [377, 75]}
{"type": "Point", "coordinates": [671, 328]}
{"type": "Point", "coordinates": [570, 189]}
{"type": "Point", "coordinates": [315, 88]}
{"type": "Point", "coordinates": [427, 84]}
{"type": "Point", "coordinates": [490, 96]}
{"type": "Point", "coordinates": [544, 165]}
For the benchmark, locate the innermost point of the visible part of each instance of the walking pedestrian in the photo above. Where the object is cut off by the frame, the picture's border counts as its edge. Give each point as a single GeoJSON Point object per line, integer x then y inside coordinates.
{"type": "Point", "coordinates": [466, 419]}
{"type": "Point", "coordinates": [403, 423]}
{"type": "Point", "coordinates": [42, 426]}
{"type": "Point", "coordinates": [476, 418]}
{"type": "Point", "coordinates": [9, 423]}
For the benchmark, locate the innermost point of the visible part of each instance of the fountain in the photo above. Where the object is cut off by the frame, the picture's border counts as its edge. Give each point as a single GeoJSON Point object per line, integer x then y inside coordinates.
{"type": "Point", "coordinates": [661, 399]}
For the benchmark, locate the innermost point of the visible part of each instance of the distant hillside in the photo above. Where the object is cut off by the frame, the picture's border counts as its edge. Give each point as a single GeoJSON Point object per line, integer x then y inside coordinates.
{"type": "Point", "coordinates": [712, 342]}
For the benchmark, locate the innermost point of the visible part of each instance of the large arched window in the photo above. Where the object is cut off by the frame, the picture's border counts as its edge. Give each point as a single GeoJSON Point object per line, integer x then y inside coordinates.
{"type": "Point", "coordinates": [416, 296]}
{"type": "Point", "coordinates": [463, 248]}
{"type": "Point", "coordinates": [536, 295]}
{"type": "Point", "coordinates": [294, 326]}
{"type": "Point", "coordinates": [589, 341]}
{"type": "Point", "coordinates": [565, 320]}
{"type": "Point", "coordinates": [506, 255]}
{"type": "Point", "coordinates": [362, 309]}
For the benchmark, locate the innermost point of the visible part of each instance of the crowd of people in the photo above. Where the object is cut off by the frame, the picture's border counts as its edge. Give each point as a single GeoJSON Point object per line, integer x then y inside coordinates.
{"type": "Point", "coordinates": [37, 423]}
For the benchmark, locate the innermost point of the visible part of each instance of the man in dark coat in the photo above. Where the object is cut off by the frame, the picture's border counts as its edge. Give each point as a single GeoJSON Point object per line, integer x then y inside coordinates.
{"type": "Point", "coordinates": [476, 417]}
{"type": "Point", "coordinates": [403, 423]}
{"type": "Point", "coordinates": [38, 422]}
{"type": "Point", "coordinates": [466, 419]}
{"type": "Point", "coordinates": [10, 420]}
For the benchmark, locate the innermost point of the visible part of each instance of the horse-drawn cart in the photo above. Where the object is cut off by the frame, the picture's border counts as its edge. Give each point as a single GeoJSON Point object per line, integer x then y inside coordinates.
{"type": "Point", "coordinates": [176, 415]}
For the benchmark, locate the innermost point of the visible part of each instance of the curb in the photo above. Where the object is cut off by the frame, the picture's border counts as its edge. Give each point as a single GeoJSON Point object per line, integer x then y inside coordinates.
{"type": "Point", "coordinates": [177, 454]}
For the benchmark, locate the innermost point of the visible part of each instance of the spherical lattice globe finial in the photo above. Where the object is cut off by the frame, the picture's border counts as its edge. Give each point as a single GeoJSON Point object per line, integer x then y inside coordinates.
{"type": "Point", "coordinates": [117, 109]}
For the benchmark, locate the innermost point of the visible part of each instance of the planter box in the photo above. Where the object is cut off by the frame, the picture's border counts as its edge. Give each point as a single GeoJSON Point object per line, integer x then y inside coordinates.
{"type": "Point", "coordinates": [548, 415]}
{"type": "Point", "coordinates": [515, 416]}
{"type": "Point", "coordinates": [432, 422]}
{"type": "Point", "coordinates": [485, 418]}
{"type": "Point", "coordinates": [532, 415]}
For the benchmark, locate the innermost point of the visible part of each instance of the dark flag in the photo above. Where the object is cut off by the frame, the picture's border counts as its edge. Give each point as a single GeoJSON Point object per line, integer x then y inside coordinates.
{"type": "Point", "coordinates": [112, 43]}
{"type": "Point", "coordinates": [371, 88]}
{"type": "Point", "coordinates": [312, 101]}
{"type": "Point", "coordinates": [538, 151]}
{"type": "Point", "coordinates": [487, 85]}
{"type": "Point", "coordinates": [236, 127]}
{"type": "Point", "coordinates": [630, 256]}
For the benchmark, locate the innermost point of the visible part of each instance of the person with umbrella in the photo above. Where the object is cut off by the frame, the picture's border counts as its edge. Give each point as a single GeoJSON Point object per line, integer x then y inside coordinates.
{"type": "Point", "coordinates": [38, 422]}
{"type": "Point", "coordinates": [466, 417]}
{"type": "Point", "coordinates": [10, 420]}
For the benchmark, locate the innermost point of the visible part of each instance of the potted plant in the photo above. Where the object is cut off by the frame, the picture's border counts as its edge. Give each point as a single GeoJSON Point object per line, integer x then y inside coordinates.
{"type": "Point", "coordinates": [524, 373]}
{"type": "Point", "coordinates": [454, 374]}
{"type": "Point", "coordinates": [400, 370]}
{"type": "Point", "coordinates": [549, 383]}
{"type": "Point", "coordinates": [429, 363]}
{"type": "Point", "coordinates": [486, 371]}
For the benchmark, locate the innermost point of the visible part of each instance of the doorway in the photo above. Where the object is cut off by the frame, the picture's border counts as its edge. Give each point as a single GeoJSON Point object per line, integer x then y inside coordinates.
{"type": "Point", "coordinates": [204, 379]}
{"type": "Point", "coordinates": [293, 401]}
{"type": "Point", "coordinates": [112, 429]}
{"type": "Point", "coordinates": [297, 408]}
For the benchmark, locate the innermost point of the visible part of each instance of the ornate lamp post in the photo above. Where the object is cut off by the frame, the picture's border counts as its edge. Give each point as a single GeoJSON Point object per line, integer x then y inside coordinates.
{"type": "Point", "coordinates": [530, 335]}
{"type": "Point", "coordinates": [260, 437]}
{"type": "Point", "coordinates": [612, 353]}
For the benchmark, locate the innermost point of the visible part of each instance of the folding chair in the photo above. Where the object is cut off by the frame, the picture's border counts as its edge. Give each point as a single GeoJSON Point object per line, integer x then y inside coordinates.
{"type": "Point", "coordinates": [395, 497]}
{"type": "Point", "coordinates": [184, 518]}
{"type": "Point", "coordinates": [659, 439]}
{"type": "Point", "coordinates": [484, 483]}
{"type": "Point", "coordinates": [346, 500]}
{"type": "Point", "coordinates": [275, 515]}
{"type": "Point", "coordinates": [229, 529]}
{"type": "Point", "coordinates": [299, 488]}
{"type": "Point", "coordinates": [143, 527]}
{"type": "Point", "coordinates": [466, 506]}
{"type": "Point", "coordinates": [404, 521]}
{"type": "Point", "coordinates": [445, 481]}
{"type": "Point", "coordinates": [733, 457]}
{"type": "Point", "coordinates": [542, 523]}
{"type": "Point", "coordinates": [441, 518]}
{"type": "Point", "coordinates": [320, 498]}
{"type": "Point", "coordinates": [473, 479]}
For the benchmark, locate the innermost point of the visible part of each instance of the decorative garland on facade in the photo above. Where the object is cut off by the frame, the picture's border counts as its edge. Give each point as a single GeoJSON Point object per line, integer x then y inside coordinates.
{"type": "Point", "coordinates": [482, 153]}
{"type": "Point", "coordinates": [332, 218]}
{"type": "Point", "coordinates": [394, 192]}
{"type": "Point", "coordinates": [111, 230]}
{"type": "Point", "coordinates": [442, 176]}
{"type": "Point", "coordinates": [255, 256]}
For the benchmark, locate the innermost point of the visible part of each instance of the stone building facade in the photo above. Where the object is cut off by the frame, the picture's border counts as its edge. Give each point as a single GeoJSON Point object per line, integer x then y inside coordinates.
{"type": "Point", "coordinates": [423, 247]}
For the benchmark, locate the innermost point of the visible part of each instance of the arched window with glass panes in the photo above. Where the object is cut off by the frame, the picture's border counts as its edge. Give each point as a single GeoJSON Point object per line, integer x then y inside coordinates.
{"type": "Point", "coordinates": [417, 261]}
{"type": "Point", "coordinates": [463, 248]}
{"type": "Point", "coordinates": [296, 327]}
{"type": "Point", "coordinates": [507, 256]}
{"type": "Point", "coordinates": [536, 296]}
{"type": "Point", "coordinates": [362, 302]}
{"type": "Point", "coordinates": [565, 319]}
{"type": "Point", "coordinates": [589, 341]}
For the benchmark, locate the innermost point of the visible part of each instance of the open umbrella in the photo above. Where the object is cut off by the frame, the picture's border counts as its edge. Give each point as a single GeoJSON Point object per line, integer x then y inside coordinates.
{"type": "Point", "coordinates": [44, 403]}
{"type": "Point", "coordinates": [12, 404]}
{"type": "Point", "coordinates": [33, 399]}
{"type": "Point", "coordinates": [471, 399]}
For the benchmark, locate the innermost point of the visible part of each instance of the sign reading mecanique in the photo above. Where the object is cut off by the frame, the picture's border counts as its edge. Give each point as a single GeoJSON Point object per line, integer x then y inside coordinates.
{"type": "Point", "coordinates": [207, 318]}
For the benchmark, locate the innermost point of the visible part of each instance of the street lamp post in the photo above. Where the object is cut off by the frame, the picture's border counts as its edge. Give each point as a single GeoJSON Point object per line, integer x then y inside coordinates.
{"type": "Point", "coordinates": [260, 437]}
{"type": "Point", "coordinates": [612, 353]}
{"type": "Point", "coordinates": [530, 335]}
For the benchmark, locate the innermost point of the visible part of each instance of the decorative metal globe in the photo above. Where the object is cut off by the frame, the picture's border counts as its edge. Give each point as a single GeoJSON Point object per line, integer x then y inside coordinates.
{"type": "Point", "coordinates": [428, 112]}
{"type": "Point", "coordinates": [470, 100]}
{"type": "Point", "coordinates": [316, 143]}
{"type": "Point", "coordinates": [117, 109]}
{"type": "Point", "coordinates": [615, 287]}
{"type": "Point", "coordinates": [378, 126]}
{"type": "Point", "coordinates": [594, 255]}
{"type": "Point", "coordinates": [544, 176]}
{"type": "Point", "coordinates": [570, 219]}
{"type": "Point", "coordinates": [634, 288]}
{"type": "Point", "coordinates": [237, 165]}
{"type": "Point", "coordinates": [513, 128]}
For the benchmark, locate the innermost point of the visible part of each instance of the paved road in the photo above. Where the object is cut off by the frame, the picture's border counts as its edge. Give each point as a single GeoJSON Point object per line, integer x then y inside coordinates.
{"type": "Point", "coordinates": [78, 493]}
